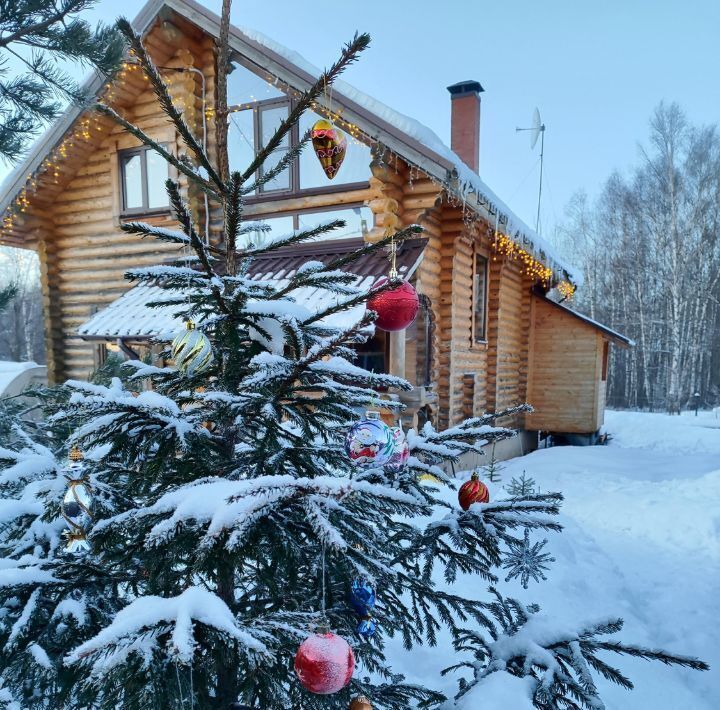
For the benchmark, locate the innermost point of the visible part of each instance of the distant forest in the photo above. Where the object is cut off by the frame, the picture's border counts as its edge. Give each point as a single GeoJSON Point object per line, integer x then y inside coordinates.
{"type": "Point", "coordinates": [21, 323]}
{"type": "Point", "coordinates": [649, 247]}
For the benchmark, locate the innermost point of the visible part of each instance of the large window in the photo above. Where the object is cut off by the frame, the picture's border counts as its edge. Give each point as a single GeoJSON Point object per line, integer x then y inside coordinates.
{"type": "Point", "coordinates": [257, 108]}
{"type": "Point", "coordinates": [142, 181]}
{"type": "Point", "coordinates": [358, 220]}
{"type": "Point", "coordinates": [480, 288]}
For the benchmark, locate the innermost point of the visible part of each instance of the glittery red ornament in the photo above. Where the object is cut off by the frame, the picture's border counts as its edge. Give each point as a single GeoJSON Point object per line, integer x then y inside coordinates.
{"type": "Point", "coordinates": [396, 308]}
{"type": "Point", "coordinates": [473, 491]}
{"type": "Point", "coordinates": [324, 663]}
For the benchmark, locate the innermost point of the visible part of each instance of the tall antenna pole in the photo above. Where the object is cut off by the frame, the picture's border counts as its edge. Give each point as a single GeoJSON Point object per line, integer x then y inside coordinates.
{"type": "Point", "coordinates": [542, 154]}
{"type": "Point", "coordinates": [537, 130]}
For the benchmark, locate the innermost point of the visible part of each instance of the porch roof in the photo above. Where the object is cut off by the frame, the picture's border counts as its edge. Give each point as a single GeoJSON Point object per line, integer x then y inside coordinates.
{"type": "Point", "coordinates": [130, 317]}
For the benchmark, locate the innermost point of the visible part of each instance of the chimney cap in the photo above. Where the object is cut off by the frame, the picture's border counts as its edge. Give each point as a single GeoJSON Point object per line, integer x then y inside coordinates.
{"type": "Point", "coordinates": [465, 87]}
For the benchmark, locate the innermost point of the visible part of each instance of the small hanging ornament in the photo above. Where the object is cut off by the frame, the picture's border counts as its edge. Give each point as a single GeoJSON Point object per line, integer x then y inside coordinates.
{"type": "Point", "coordinates": [360, 702]}
{"type": "Point", "coordinates": [473, 491]}
{"type": "Point", "coordinates": [401, 452]}
{"type": "Point", "coordinates": [366, 628]}
{"type": "Point", "coordinates": [330, 146]}
{"type": "Point", "coordinates": [397, 307]}
{"type": "Point", "coordinates": [369, 443]}
{"type": "Point", "coordinates": [77, 504]}
{"type": "Point", "coordinates": [324, 663]}
{"type": "Point", "coordinates": [191, 351]}
{"type": "Point", "coordinates": [362, 597]}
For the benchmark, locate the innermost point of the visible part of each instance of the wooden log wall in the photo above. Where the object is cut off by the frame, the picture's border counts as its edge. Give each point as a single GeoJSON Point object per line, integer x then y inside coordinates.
{"type": "Point", "coordinates": [83, 254]}
{"type": "Point", "coordinates": [565, 384]}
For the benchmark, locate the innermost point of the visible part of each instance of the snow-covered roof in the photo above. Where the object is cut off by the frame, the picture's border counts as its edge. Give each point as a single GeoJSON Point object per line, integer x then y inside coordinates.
{"type": "Point", "coordinates": [131, 317]}
{"type": "Point", "coordinates": [467, 184]}
{"type": "Point", "coordinates": [402, 134]}
{"type": "Point", "coordinates": [618, 338]}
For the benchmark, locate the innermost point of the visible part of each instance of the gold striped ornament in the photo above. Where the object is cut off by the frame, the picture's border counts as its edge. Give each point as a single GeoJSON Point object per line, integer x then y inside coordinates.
{"type": "Point", "coordinates": [192, 351]}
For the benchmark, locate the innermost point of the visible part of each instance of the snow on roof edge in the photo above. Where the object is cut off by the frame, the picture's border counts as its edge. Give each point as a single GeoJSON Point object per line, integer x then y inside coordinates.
{"type": "Point", "coordinates": [469, 181]}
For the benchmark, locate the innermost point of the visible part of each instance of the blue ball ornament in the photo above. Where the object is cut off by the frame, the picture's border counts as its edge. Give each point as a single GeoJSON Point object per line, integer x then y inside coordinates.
{"type": "Point", "coordinates": [362, 597]}
{"type": "Point", "coordinates": [370, 442]}
{"type": "Point", "coordinates": [367, 628]}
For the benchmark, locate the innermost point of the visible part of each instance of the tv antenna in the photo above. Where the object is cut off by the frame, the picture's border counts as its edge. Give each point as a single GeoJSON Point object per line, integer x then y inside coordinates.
{"type": "Point", "coordinates": [537, 130]}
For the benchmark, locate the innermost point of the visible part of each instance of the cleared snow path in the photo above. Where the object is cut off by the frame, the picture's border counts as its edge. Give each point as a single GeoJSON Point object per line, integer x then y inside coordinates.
{"type": "Point", "coordinates": [641, 540]}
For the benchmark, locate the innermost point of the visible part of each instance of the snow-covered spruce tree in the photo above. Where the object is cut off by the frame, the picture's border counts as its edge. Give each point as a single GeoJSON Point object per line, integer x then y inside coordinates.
{"type": "Point", "coordinates": [227, 520]}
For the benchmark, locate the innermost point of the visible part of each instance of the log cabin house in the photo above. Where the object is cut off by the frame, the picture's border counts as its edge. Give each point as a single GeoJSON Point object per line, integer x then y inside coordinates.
{"type": "Point", "coordinates": [490, 334]}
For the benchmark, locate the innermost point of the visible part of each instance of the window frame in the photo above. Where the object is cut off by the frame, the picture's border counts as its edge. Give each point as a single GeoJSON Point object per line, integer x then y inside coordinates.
{"type": "Point", "coordinates": [262, 195]}
{"type": "Point", "coordinates": [295, 214]}
{"type": "Point", "coordinates": [142, 151]}
{"type": "Point", "coordinates": [475, 337]}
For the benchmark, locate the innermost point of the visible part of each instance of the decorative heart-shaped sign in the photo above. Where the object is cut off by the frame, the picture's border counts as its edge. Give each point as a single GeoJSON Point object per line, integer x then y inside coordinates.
{"type": "Point", "coordinates": [330, 145]}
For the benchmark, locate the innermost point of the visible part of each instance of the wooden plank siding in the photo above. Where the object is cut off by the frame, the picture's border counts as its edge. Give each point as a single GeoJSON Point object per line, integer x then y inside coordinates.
{"type": "Point", "coordinates": [565, 386]}
{"type": "Point", "coordinates": [83, 254]}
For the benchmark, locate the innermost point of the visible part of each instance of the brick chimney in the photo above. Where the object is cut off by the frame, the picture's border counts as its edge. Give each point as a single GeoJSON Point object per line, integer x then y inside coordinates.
{"type": "Point", "coordinates": [465, 122]}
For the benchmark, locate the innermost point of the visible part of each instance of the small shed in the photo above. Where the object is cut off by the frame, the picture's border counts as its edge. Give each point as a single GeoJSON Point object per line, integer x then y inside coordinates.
{"type": "Point", "coordinates": [567, 369]}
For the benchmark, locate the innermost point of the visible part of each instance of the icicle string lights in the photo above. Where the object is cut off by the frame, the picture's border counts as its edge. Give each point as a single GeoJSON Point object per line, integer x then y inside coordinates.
{"type": "Point", "coordinates": [84, 131]}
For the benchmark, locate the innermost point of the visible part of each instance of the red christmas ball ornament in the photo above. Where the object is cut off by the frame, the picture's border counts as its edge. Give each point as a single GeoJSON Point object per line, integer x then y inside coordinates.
{"type": "Point", "coordinates": [396, 308]}
{"type": "Point", "coordinates": [473, 491]}
{"type": "Point", "coordinates": [324, 663]}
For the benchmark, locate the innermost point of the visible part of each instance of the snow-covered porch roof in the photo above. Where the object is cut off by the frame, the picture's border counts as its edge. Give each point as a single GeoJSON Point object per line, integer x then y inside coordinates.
{"type": "Point", "coordinates": [130, 317]}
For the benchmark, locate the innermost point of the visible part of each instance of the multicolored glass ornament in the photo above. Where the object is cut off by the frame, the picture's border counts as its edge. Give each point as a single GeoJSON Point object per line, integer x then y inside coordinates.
{"type": "Point", "coordinates": [362, 597]}
{"type": "Point", "coordinates": [401, 452]}
{"type": "Point", "coordinates": [473, 491]}
{"type": "Point", "coordinates": [366, 628]}
{"type": "Point", "coordinates": [77, 504]}
{"type": "Point", "coordinates": [396, 308]}
{"type": "Point", "coordinates": [369, 443]}
{"type": "Point", "coordinates": [324, 663]}
{"type": "Point", "coordinates": [192, 351]}
{"type": "Point", "coordinates": [330, 146]}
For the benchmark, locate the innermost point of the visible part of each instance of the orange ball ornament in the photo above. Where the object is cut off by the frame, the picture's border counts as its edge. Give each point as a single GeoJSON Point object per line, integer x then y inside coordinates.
{"type": "Point", "coordinates": [360, 702]}
{"type": "Point", "coordinates": [473, 491]}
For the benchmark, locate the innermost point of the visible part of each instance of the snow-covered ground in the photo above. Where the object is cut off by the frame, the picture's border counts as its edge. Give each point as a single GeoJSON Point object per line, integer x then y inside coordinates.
{"type": "Point", "coordinates": [641, 541]}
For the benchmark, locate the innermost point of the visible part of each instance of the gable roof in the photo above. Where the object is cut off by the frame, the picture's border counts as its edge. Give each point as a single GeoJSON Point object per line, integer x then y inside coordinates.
{"type": "Point", "coordinates": [403, 135]}
{"type": "Point", "coordinates": [130, 316]}
{"type": "Point", "coordinates": [618, 338]}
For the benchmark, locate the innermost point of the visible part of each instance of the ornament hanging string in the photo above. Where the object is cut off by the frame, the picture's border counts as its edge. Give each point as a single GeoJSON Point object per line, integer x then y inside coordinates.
{"type": "Point", "coordinates": [393, 258]}
{"type": "Point", "coordinates": [322, 601]}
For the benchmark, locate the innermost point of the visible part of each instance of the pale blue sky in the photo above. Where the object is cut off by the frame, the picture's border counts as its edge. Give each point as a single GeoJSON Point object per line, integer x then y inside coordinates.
{"type": "Point", "coordinates": [595, 69]}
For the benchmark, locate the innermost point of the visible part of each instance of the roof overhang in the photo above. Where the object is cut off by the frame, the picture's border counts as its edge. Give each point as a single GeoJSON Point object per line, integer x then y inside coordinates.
{"type": "Point", "coordinates": [608, 333]}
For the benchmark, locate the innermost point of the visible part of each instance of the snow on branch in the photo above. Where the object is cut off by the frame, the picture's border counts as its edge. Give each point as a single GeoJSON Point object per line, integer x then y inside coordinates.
{"type": "Point", "coordinates": [147, 621]}
{"type": "Point", "coordinates": [555, 660]}
{"type": "Point", "coordinates": [223, 505]}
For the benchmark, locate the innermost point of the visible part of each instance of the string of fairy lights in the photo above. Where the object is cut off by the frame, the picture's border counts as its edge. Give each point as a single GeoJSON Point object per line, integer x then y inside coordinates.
{"type": "Point", "coordinates": [504, 246]}
{"type": "Point", "coordinates": [82, 133]}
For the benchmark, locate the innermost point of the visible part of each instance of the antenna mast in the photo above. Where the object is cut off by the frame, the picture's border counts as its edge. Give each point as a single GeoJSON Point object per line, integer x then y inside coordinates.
{"type": "Point", "coordinates": [538, 130]}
